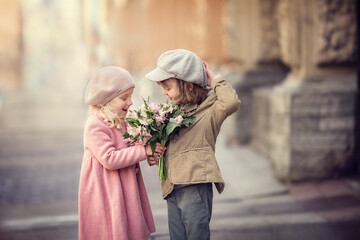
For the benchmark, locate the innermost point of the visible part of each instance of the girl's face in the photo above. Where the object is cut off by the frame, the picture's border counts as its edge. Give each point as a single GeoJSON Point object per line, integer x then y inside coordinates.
{"type": "Point", "coordinates": [171, 90]}
{"type": "Point", "coordinates": [122, 102]}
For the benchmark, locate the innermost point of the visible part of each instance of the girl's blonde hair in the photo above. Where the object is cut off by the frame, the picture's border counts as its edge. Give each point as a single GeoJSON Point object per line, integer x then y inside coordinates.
{"type": "Point", "coordinates": [110, 117]}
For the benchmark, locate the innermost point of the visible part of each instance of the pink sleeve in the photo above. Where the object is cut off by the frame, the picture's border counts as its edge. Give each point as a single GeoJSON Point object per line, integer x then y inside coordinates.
{"type": "Point", "coordinates": [98, 140]}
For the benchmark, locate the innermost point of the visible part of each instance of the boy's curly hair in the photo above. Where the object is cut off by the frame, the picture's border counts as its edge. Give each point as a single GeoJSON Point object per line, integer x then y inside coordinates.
{"type": "Point", "coordinates": [187, 96]}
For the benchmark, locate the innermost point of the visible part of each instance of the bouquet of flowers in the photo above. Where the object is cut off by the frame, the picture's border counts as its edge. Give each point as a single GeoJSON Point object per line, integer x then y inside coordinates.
{"type": "Point", "coordinates": [153, 123]}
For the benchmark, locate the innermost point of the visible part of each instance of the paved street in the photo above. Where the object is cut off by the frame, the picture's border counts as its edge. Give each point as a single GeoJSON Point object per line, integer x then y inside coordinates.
{"type": "Point", "coordinates": [39, 172]}
{"type": "Point", "coordinates": [39, 190]}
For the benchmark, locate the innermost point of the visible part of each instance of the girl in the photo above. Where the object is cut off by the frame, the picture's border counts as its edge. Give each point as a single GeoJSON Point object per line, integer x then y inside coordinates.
{"type": "Point", "coordinates": [113, 202]}
{"type": "Point", "coordinates": [190, 156]}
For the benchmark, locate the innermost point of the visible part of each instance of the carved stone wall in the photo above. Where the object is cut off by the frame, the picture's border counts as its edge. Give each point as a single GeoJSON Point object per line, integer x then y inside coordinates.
{"type": "Point", "coordinates": [322, 128]}
{"type": "Point", "coordinates": [306, 124]}
{"type": "Point", "coordinates": [316, 33]}
{"type": "Point", "coordinates": [337, 32]}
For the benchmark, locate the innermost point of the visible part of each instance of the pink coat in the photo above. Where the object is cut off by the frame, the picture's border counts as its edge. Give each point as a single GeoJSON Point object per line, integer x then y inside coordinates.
{"type": "Point", "coordinates": [113, 203]}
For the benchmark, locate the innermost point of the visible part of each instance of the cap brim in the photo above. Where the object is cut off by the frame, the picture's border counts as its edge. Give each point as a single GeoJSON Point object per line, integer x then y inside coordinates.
{"type": "Point", "coordinates": [158, 75]}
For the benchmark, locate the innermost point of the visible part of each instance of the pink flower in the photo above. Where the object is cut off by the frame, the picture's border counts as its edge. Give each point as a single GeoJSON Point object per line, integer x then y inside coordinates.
{"type": "Point", "coordinates": [146, 135]}
{"type": "Point", "coordinates": [150, 120]}
{"type": "Point", "coordinates": [129, 141]}
{"type": "Point", "coordinates": [154, 107]}
{"type": "Point", "coordinates": [143, 111]}
{"type": "Point", "coordinates": [169, 110]}
{"type": "Point", "coordinates": [177, 120]}
{"type": "Point", "coordinates": [133, 131]}
{"type": "Point", "coordinates": [162, 113]}
{"type": "Point", "coordinates": [159, 119]}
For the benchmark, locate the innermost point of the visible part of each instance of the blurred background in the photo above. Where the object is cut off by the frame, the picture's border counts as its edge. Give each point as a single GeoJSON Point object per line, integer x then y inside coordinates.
{"type": "Point", "coordinates": [293, 64]}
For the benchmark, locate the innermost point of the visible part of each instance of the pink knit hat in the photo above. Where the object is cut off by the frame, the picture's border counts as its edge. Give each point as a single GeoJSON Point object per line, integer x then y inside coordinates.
{"type": "Point", "coordinates": [106, 84]}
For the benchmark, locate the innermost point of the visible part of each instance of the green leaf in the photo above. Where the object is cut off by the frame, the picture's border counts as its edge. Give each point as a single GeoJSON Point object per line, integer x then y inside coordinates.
{"type": "Point", "coordinates": [153, 147]}
{"type": "Point", "coordinates": [132, 121]}
{"type": "Point", "coordinates": [153, 138]}
{"type": "Point", "coordinates": [136, 137]}
{"type": "Point", "coordinates": [126, 135]}
{"type": "Point", "coordinates": [170, 128]}
{"type": "Point", "coordinates": [154, 128]}
{"type": "Point", "coordinates": [188, 120]}
{"type": "Point", "coordinates": [148, 114]}
{"type": "Point", "coordinates": [162, 126]}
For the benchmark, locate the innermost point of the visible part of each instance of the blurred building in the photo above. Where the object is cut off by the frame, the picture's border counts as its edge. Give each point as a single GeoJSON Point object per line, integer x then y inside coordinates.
{"type": "Point", "coordinates": [292, 62]}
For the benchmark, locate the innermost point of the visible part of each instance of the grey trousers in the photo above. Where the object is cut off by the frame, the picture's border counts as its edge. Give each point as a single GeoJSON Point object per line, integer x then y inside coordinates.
{"type": "Point", "coordinates": [189, 212]}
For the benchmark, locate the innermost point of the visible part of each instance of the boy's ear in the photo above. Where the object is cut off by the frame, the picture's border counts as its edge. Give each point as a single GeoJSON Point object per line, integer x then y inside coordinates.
{"type": "Point", "coordinates": [190, 86]}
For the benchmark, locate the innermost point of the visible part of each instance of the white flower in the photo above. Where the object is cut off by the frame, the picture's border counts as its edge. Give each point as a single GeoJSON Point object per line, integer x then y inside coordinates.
{"type": "Point", "coordinates": [177, 120]}
{"type": "Point", "coordinates": [146, 121]}
{"type": "Point", "coordinates": [131, 114]}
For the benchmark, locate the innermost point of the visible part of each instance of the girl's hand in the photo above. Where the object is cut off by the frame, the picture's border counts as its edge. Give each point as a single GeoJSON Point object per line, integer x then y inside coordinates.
{"type": "Point", "coordinates": [148, 150]}
{"type": "Point", "coordinates": [150, 158]}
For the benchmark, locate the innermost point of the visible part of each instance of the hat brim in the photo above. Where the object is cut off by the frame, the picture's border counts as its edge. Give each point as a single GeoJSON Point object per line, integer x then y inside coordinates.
{"type": "Point", "coordinates": [158, 75]}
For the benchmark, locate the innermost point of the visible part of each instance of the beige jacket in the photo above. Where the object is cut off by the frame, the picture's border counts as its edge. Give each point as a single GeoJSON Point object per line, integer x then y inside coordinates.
{"type": "Point", "coordinates": [190, 155]}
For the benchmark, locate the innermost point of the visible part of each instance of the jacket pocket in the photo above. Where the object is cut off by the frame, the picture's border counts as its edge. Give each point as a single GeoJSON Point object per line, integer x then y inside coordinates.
{"type": "Point", "coordinates": [188, 166]}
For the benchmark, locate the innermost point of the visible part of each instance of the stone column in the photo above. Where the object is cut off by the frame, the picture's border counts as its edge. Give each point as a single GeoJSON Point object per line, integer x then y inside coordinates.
{"type": "Point", "coordinates": [252, 45]}
{"type": "Point", "coordinates": [306, 124]}
{"type": "Point", "coordinates": [10, 44]}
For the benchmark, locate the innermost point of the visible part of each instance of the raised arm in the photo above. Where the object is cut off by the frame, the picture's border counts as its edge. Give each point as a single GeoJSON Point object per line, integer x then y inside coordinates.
{"type": "Point", "coordinates": [227, 100]}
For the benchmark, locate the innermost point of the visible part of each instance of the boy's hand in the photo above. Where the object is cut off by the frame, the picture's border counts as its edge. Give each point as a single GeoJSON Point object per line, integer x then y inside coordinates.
{"type": "Point", "coordinates": [159, 150]}
{"type": "Point", "coordinates": [210, 74]}
{"type": "Point", "coordinates": [152, 160]}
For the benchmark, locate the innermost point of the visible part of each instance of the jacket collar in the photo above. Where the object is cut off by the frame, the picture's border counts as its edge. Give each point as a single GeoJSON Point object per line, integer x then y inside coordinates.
{"type": "Point", "coordinates": [191, 109]}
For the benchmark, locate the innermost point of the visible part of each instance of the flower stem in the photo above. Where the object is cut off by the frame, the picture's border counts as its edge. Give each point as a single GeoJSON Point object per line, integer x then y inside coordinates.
{"type": "Point", "coordinates": [161, 170]}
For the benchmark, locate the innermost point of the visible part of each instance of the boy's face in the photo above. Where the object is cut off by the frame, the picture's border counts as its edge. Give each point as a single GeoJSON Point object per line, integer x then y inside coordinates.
{"type": "Point", "coordinates": [121, 103]}
{"type": "Point", "coordinates": [171, 90]}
